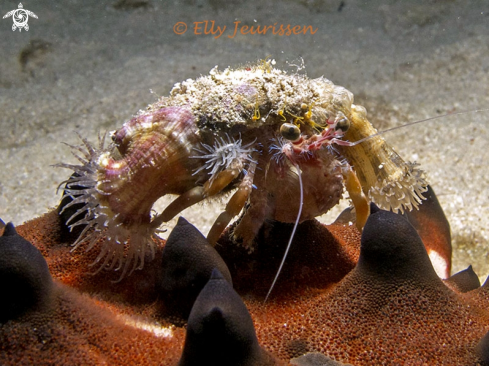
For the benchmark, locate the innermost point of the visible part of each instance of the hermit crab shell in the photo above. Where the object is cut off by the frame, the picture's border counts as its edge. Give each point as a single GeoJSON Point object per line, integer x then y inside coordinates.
{"type": "Point", "coordinates": [222, 132]}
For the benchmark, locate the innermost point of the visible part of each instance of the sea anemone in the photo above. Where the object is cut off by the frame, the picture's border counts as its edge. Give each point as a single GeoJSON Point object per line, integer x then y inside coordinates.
{"type": "Point", "coordinates": [88, 195]}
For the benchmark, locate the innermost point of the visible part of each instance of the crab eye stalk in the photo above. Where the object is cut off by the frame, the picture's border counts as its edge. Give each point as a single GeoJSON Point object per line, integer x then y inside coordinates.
{"type": "Point", "coordinates": [290, 132]}
{"type": "Point", "coordinates": [342, 125]}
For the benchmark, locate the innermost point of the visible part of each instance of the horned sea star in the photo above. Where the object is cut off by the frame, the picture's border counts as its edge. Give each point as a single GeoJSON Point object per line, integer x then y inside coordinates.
{"type": "Point", "coordinates": [369, 302]}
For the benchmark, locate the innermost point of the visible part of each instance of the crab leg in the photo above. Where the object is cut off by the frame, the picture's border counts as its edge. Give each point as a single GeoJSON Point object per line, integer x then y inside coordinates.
{"type": "Point", "coordinates": [211, 187]}
{"type": "Point", "coordinates": [185, 200]}
{"type": "Point", "coordinates": [222, 179]}
{"type": "Point", "coordinates": [360, 202]}
{"type": "Point", "coordinates": [233, 207]}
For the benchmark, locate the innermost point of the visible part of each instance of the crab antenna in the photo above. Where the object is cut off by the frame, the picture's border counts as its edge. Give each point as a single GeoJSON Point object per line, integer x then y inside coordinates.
{"type": "Point", "coordinates": [415, 123]}
{"type": "Point", "coordinates": [301, 202]}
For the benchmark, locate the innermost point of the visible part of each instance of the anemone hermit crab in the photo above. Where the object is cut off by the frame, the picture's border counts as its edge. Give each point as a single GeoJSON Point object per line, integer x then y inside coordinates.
{"type": "Point", "coordinates": [287, 144]}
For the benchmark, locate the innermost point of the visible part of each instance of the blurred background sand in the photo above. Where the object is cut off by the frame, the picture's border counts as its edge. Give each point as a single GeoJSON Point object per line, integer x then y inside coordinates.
{"type": "Point", "coordinates": [87, 66]}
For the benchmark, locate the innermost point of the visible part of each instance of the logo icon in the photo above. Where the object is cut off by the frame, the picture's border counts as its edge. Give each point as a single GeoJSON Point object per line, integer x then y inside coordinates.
{"type": "Point", "coordinates": [20, 17]}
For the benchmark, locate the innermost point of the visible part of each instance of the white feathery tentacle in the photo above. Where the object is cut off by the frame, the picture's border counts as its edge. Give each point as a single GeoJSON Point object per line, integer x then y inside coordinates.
{"type": "Point", "coordinates": [220, 156]}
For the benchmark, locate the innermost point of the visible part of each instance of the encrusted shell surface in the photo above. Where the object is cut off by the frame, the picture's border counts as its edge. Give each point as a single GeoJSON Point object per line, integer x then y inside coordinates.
{"type": "Point", "coordinates": [231, 97]}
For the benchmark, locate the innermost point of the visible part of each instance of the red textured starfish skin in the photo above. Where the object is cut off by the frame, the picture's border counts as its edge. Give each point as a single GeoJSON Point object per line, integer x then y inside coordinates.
{"type": "Point", "coordinates": [390, 309]}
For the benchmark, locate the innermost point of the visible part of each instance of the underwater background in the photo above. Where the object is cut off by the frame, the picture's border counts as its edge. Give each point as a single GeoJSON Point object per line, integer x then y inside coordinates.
{"type": "Point", "coordinates": [86, 67]}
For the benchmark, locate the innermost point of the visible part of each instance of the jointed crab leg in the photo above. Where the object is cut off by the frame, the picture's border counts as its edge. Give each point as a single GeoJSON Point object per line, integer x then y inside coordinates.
{"type": "Point", "coordinates": [360, 202]}
{"type": "Point", "coordinates": [185, 200]}
{"type": "Point", "coordinates": [214, 186]}
{"type": "Point", "coordinates": [234, 206]}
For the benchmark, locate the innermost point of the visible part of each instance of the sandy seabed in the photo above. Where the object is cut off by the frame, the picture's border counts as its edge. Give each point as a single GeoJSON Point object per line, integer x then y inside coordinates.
{"type": "Point", "coordinates": [87, 67]}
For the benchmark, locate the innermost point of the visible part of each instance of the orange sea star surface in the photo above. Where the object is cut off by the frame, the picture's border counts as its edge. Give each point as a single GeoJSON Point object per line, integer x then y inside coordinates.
{"type": "Point", "coordinates": [374, 301]}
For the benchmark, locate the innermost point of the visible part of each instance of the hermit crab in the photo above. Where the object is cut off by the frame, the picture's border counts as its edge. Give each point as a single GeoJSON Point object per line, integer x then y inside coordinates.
{"type": "Point", "coordinates": [287, 145]}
